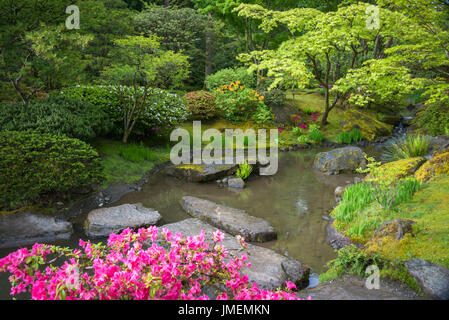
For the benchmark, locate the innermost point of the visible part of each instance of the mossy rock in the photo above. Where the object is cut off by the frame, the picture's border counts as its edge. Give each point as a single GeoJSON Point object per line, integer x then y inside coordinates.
{"type": "Point", "coordinates": [404, 167]}
{"type": "Point", "coordinates": [347, 159]}
{"type": "Point", "coordinates": [202, 172]}
{"type": "Point", "coordinates": [436, 166]}
{"type": "Point", "coordinates": [370, 127]}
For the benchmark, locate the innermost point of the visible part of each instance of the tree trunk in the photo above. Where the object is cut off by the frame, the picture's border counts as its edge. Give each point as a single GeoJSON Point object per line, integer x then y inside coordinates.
{"type": "Point", "coordinates": [208, 51]}
{"type": "Point", "coordinates": [326, 109]}
{"type": "Point", "coordinates": [125, 136]}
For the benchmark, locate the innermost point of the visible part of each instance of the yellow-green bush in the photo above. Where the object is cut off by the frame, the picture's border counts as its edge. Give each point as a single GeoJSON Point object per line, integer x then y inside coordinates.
{"type": "Point", "coordinates": [436, 166]}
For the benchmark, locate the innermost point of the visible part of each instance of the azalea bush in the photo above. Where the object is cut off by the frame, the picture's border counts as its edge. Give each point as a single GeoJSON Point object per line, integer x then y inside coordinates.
{"type": "Point", "coordinates": [201, 105]}
{"type": "Point", "coordinates": [238, 103]}
{"type": "Point", "coordinates": [225, 76]}
{"type": "Point", "coordinates": [141, 265]}
{"type": "Point", "coordinates": [162, 108]}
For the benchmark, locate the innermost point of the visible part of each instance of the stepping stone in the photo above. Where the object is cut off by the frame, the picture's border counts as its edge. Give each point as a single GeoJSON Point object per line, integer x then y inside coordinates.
{"type": "Point", "coordinates": [23, 228]}
{"type": "Point", "coordinates": [102, 222]}
{"type": "Point", "coordinates": [269, 269]}
{"type": "Point", "coordinates": [233, 221]}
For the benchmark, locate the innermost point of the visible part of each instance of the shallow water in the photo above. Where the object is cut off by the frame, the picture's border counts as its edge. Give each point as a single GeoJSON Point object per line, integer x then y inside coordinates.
{"type": "Point", "coordinates": [293, 201]}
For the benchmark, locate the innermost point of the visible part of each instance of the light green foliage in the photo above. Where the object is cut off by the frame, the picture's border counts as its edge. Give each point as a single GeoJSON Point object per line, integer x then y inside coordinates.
{"type": "Point", "coordinates": [355, 198]}
{"type": "Point", "coordinates": [412, 146]}
{"type": "Point", "coordinates": [385, 187]}
{"type": "Point", "coordinates": [36, 165]}
{"type": "Point", "coordinates": [348, 137]}
{"type": "Point", "coordinates": [226, 76]}
{"type": "Point", "coordinates": [244, 170]}
{"type": "Point", "coordinates": [57, 115]}
{"type": "Point", "coordinates": [323, 47]}
{"type": "Point", "coordinates": [315, 134]}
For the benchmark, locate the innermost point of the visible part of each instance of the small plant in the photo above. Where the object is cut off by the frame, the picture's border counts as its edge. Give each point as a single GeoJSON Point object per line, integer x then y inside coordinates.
{"type": "Point", "coordinates": [244, 170]}
{"type": "Point", "coordinates": [303, 139]}
{"type": "Point", "coordinates": [410, 147]}
{"type": "Point", "coordinates": [297, 131]}
{"type": "Point", "coordinates": [136, 153]}
{"type": "Point", "coordinates": [348, 137]}
{"type": "Point", "coordinates": [315, 134]}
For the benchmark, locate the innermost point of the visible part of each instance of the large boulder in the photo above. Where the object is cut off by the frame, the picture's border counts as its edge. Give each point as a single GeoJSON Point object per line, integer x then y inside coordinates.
{"type": "Point", "coordinates": [201, 172]}
{"type": "Point", "coordinates": [346, 159]}
{"type": "Point", "coordinates": [369, 126]}
{"type": "Point", "coordinates": [433, 278]}
{"type": "Point", "coordinates": [102, 222]}
{"type": "Point", "coordinates": [436, 166]}
{"type": "Point", "coordinates": [234, 221]}
{"type": "Point", "coordinates": [23, 228]}
{"type": "Point", "coordinates": [269, 269]}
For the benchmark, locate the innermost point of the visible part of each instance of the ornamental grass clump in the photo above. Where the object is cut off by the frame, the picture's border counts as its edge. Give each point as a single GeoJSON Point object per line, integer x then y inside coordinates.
{"type": "Point", "coordinates": [410, 147]}
{"type": "Point", "coordinates": [142, 265]}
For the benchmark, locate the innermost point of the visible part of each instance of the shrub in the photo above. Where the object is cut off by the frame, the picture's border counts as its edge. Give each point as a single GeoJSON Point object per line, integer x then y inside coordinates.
{"type": "Point", "coordinates": [162, 107]}
{"type": "Point", "coordinates": [128, 269]}
{"type": "Point", "coordinates": [237, 103]}
{"type": "Point", "coordinates": [225, 76]}
{"type": "Point", "coordinates": [433, 118]}
{"type": "Point", "coordinates": [34, 166]}
{"type": "Point", "coordinates": [201, 105]}
{"type": "Point", "coordinates": [410, 147]}
{"type": "Point", "coordinates": [57, 115]}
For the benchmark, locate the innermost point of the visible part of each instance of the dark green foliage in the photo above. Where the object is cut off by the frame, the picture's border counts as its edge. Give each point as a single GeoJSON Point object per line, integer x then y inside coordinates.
{"type": "Point", "coordinates": [56, 115]}
{"type": "Point", "coordinates": [316, 135]}
{"type": "Point", "coordinates": [201, 105]}
{"type": "Point", "coordinates": [38, 167]}
{"type": "Point", "coordinates": [348, 137]}
{"type": "Point", "coordinates": [433, 118]}
{"type": "Point", "coordinates": [162, 108]}
{"type": "Point", "coordinates": [274, 97]}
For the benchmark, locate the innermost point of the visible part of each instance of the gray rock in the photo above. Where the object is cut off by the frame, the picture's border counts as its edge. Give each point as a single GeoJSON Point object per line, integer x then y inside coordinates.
{"type": "Point", "coordinates": [234, 221]}
{"type": "Point", "coordinates": [22, 228]}
{"type": "Point", "coordinates": [236, 183]}
{"type": "Point", "coordinates": [201, 172]}
{"type": "Point", "coordinates": [102, 222]}
{"type": "Point", "coordinates": [269, 269]}
{"type": "Point", "coordinates": [334, 238]}
{"type": "Point", "coordinates": [396, 228]}
{"type": "Point", "coordinates": [336, 161]}
{"type": "Point", "coordinates": [433, 278]}
{"type": "Point", "coordinates": [338, 193]}
{"type": "Point", "coordinates": [353, 288]}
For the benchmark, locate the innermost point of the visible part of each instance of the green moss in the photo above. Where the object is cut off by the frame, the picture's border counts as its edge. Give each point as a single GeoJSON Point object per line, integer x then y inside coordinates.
{"type": "Point", "coordinates": [438, 165]}
{"type": "Point", "coordinates": [368, 124]}
{"type": "Point", "coordinates": [404, 167]}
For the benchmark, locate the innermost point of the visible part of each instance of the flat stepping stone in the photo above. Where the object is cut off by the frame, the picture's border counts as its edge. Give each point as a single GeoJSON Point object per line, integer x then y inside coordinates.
{"type": "Point", "coordinates": [102, 222]}
{"type": "Point", "coordinates": [201, 172]}
{"type": "Point", "coordinates": [269, 269]}
{"type": "Point", "coordinates": [26, 227]}
{"type": "Point", "coordinates": [231, 220]}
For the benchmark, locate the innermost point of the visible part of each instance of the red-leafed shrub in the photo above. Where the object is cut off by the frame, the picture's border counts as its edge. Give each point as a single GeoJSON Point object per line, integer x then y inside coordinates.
{"type": "Point", "coordinates": [201, 104]}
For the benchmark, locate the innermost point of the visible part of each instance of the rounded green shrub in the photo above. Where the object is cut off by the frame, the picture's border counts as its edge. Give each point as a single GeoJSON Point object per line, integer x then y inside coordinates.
{"type": "Point", "coordinates": [58, 115]}
{"type": "Point", "coordinates": [42, 167]}
{"type": "Point", "coordinates": [162, 108]}
{"type": "Point", "coordinates": [226, 76]}
{"type": "Point", "coordinates": [201, 105]}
